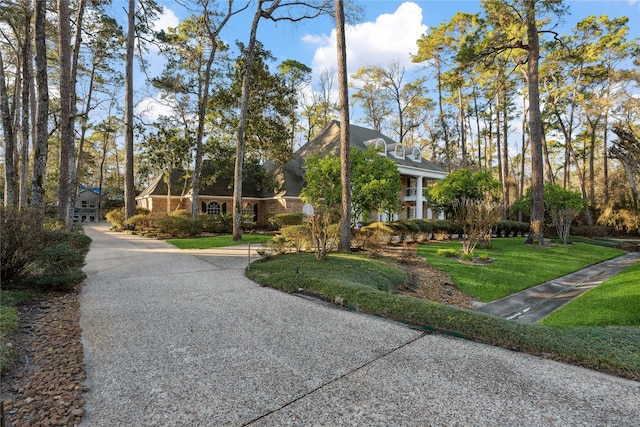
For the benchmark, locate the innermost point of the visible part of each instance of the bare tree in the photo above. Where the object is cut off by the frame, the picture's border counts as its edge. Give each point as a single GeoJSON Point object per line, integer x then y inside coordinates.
{"type": "Point", "coordinates": [345, 171]}
{"type": "Point", "coordinates": [40, 146]}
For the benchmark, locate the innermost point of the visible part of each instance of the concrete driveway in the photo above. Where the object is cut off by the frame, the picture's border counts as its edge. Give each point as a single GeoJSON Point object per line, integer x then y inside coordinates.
{"type": "Point", "coordinates": [176, 338]}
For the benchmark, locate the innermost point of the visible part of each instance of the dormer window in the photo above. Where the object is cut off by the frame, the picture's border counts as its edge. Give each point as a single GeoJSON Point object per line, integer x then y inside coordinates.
{"type": "Point", "coordinates": [378, 145]}
{"type": "Point", "coordinates": [399, 151]}
{"type": "Point", "coordinates": [416, 154]}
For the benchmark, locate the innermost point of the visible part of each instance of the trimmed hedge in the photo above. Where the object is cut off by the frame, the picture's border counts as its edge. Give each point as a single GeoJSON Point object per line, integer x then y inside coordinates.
{"type": "Point", "coordinates": [612, 350]}
{"type": "Point", "coordinates": [417, 230]}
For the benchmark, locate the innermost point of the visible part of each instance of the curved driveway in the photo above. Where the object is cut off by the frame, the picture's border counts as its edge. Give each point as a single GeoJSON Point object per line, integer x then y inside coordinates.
{"type": "Point", "coordinates": [177, 338]}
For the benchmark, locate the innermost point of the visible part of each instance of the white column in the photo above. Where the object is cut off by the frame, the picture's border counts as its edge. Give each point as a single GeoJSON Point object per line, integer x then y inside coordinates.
{"type": "Point", "coordinates": [419, 197]}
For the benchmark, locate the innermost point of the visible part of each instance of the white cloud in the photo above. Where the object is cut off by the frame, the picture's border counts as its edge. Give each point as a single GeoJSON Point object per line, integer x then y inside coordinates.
{"type": "Point", "coordinates": [167, 19]}
{"type": "Point", "coordinates": [152, 108]}
{"type": "Point", "coordinates": [391, 38]}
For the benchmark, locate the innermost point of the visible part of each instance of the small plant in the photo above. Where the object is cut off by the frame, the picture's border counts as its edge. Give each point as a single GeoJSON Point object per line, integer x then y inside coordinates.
{"type": "Point", "coordinates": [467, 256]}
{"type": "Point", "coordinates": [484, 257]}
{"type": "Point", "coordinates": [449, 253]}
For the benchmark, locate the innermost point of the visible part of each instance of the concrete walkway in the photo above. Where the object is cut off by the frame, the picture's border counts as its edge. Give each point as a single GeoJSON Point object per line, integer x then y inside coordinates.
{"type": "Point", "coordinates": [535, 303]}
{"type": "Point", "coordinates": [175, 338]}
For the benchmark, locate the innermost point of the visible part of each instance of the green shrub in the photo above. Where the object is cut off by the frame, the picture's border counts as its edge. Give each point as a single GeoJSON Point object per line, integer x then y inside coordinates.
{"type": "Point", "coordinates": [142, 211]}
{"type": "Point", "coordinates": [449, 253]}
{"type": "Point", "coordinates": [297, 236]}
{"type": "Point", "coordinates": [116, 218]}
{"type": "Point", "coordinates": [141, 222]}
{"type": "Point", "coordinates": [60, 258]}
{"type": "Point", "coordinates": [22, 238]}
{"type": "Point", "coordinates": [178, 226]}
{"type": "Point", "coordinates": [182, 213]}
{"type": "Point", "coordinates": [225, 222]}
{"type": "Point", "coordinates": [285, 219]}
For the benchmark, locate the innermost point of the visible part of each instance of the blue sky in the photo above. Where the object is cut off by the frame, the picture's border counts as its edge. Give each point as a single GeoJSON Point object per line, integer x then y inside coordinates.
{"type": "Point", "coordinates": [388, 32]}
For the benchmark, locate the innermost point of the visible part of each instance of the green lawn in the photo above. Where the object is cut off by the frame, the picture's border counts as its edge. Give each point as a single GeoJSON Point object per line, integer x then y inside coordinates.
{"type": "Point", "coordinates": [616, 302]}
{"type": "Point", "coordinates": [360, 283]}
{"type": "Point", "coordinates": [218, 241]}
{"type": "Point", "coordinates": [516, 266]}
{"type": "Point", "coordinates": [294, 271]}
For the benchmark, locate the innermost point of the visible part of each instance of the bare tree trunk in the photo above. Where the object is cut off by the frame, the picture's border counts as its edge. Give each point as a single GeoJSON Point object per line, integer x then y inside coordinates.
{"type": "Point", "coordinates": [345, 146]}
{"type": "Point", "coordinates": [65, 211]}
{"type": "Point", "coordinates": [244, 106]}
{"type": "Point", "coordinates": [536, 231]}
{"type": "Point", "coordinates": [10, 170]}
{"type": "Point", "coordinates": [505, 158]}
{"type": "Point", "coordinates": [463, 135]}
{"type": "Point", "coordinates": [524, 153]}
{"type": "Point", "coordinates": [26, 113]}
{"type": "Point", "coordinates": [41, 143]}
{"type": "Point", "coordinates": [129, 185]}
{"type": "Point", "coordinates": [202, 105]}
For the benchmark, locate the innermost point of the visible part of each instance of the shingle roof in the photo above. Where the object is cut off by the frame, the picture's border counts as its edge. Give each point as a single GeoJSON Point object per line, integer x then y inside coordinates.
{"type": "Point", "coordinates": [328, 141]}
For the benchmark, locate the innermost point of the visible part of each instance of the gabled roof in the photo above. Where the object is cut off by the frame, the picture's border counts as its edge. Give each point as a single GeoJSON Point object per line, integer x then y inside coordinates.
{"type": "Point", "coordinates": [328, 141]}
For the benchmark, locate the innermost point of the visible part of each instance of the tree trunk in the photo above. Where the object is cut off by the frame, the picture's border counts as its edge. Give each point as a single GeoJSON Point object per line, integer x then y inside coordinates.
{"type": "Point", "coordinates": [345, 146]}
{"type": "Point", "coordinates": [129, 185]}
{"type": "Point", "coordinates": [26, 113]}
{"type": "Point", "coordinates": [65, 210]}
{"type": "Point", "coordinates": [203, 99]}
{"type": "Point", "coordinates": [505, 158]}
{"type": "Point", "coordinates": [463, 135]}
{"type": "Point", "coordinates": [244, 107]}
{"type": "Point", "coordinates": [10, 169]}
{"type": "Point", "coordinates": [523, 156]}
{"type": "Point", "coordinates": [41, 143]}
{"type": "Point", "coordinates": [536, 231]}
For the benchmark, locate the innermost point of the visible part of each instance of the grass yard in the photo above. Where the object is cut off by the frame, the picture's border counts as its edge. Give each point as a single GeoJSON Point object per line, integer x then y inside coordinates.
{"type": "Point", "coordinates": [615, 302]}
{"type": "Point", "coordinates": [357, 282]}
{"type": "Point", "coordinates": [516, 266]}
{"type": "Point", "coordinates": [294, 271]}
{"type": "Point", "coordinates": [218, 241]}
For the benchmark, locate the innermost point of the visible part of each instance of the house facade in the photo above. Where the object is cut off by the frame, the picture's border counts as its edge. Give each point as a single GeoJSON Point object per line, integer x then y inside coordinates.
{"type": "Point", "coordinates": [416, 174]}
{"type": "Point", "coordinates": [86, 208]}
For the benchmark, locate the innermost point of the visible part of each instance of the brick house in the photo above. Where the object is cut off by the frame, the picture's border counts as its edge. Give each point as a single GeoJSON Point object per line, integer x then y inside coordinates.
{"type": "Point", "coordinates": [415, 172]}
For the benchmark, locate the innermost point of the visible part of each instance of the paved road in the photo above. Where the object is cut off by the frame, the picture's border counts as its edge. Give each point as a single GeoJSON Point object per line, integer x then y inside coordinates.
{"type": "Point", "coordinates": [535, 303]}
{"type": "Point", "coordinates": [173, 338]}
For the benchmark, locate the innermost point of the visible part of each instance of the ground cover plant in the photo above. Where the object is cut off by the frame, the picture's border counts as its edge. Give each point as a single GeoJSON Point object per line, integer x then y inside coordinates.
{"type": "Point", "coordinates": [515, 266]}
{"type": "Point", "coordinates": [218, 241]}
{"type": "Point", "coordinates": [616, 302]}
{"type": "Point", "coordinates": [347, 280]}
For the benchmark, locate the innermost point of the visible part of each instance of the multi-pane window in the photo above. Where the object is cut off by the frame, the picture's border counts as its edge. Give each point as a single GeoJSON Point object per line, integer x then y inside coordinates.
{"type": "Point", "coordinates": [247, 209]}
{"type": "Point", "coordinates": [213, 208]}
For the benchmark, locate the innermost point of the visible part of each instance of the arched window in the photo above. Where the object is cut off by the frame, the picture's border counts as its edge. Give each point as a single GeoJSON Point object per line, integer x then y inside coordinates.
{"type": "Point", "coordinates": [399, 152]}
{"type": "Point", "coordinates": [416, 154]}
{"type": "Point", "coordinates": [213, 208]}
{"type": "Point", "coordinates": [381, 146]}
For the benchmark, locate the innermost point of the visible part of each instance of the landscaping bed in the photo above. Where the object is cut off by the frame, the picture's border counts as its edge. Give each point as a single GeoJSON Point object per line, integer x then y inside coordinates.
{"type": "Point", "coordinates": [44, 387]}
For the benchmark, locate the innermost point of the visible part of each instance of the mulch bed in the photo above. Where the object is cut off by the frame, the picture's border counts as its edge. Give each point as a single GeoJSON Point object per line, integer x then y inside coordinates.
{"type": "Point", "coordinates": [45, 388]}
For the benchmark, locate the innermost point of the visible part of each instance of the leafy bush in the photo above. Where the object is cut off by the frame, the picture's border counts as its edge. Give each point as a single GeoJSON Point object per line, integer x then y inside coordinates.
{"type": "Point", "coordinates": [116, 218]}
{"type": "Point", "coordinates": [297, 237]}
{"type": "Point", "coordinates": [60, 258]}
{"type": "Point", "coordinates": [178, 226]}
{"type": "Point", "coordinates": [285, 219]}
{"type": "Point", "coordinates": [21, 241]}
{"type": "Point", "coordinates": [182, 213]}
{"type": "Point", "coordinates": [141, 222]}
{"type": "Point", "coordinates": [75, 239]}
